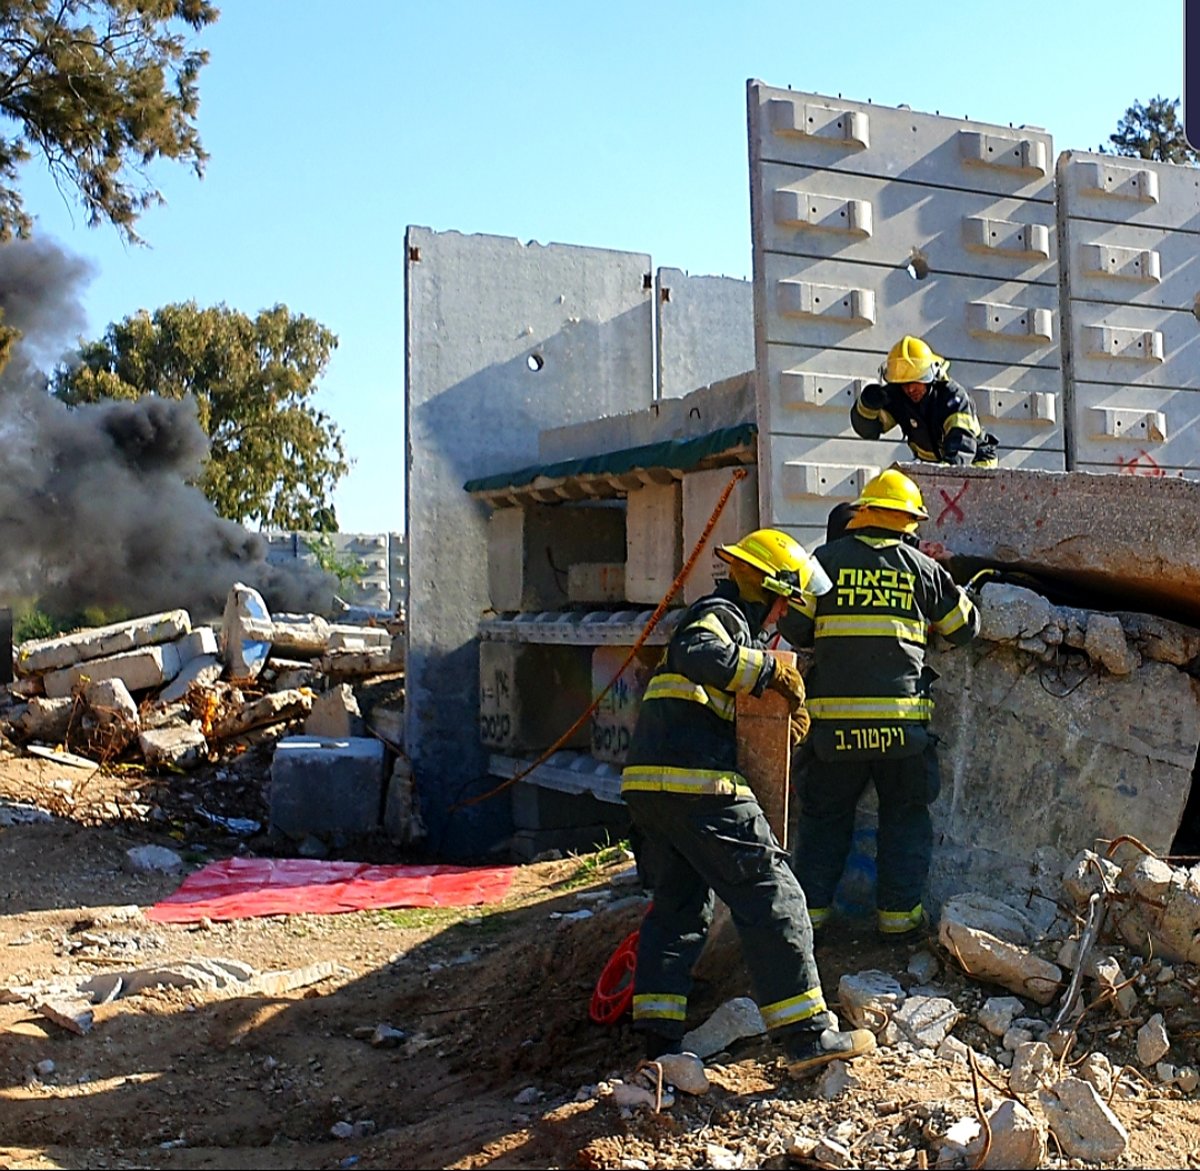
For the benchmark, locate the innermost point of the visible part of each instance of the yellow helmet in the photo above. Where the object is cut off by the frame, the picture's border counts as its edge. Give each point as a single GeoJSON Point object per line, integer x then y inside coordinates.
{"type": "Point", "coordinates": [893, 489]}
{"type": "Point", "coordinates": [911, 360]}
{"type": "Point", "coordinates": [787, 569]}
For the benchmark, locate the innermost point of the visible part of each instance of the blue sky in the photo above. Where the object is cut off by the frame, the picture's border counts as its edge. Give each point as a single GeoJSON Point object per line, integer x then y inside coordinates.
{"type": "Point", "coordinates": [333, 126]}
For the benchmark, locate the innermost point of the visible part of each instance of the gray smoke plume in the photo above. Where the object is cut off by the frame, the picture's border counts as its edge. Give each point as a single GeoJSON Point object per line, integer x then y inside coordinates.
{"type": "Point", "coordinates": [95, 509]}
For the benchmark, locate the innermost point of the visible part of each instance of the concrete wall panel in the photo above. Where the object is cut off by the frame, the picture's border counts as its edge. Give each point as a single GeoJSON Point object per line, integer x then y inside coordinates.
{"type": "Point", "coordinates": [879, 221]}
{"type": "Point", "coordinates": [867, 307]}
{"type": "Point", "coordinates": [503, 339]}
{"type": "Point", "coordinates": [1129, 191]}
{"type": "Point", "coordinates": [1131, 265]}
{"type": "Point", "coordinates": [1135, 429]}
{"type": "Point", "coordinates": [811, 130]}
{"type": "Point", "coordinates": [705, 330]}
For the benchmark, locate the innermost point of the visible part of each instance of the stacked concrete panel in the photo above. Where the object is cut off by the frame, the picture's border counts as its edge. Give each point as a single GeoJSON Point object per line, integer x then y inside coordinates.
{"type": "Point", "coordinates": [503, 341]}
{"type": "Point", "coordinates": [870, 223]}
{"type": "Point", "coordinates": [380, 556]}
{"type": "Point", "coordinates": [1131, 292]}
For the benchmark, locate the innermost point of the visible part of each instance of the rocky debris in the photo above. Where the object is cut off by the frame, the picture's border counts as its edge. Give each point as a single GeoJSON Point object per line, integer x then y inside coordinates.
{"type": "Point", "coordinates": [177, 699]}
{"type": "Point", "coordinates": [734, 1020]}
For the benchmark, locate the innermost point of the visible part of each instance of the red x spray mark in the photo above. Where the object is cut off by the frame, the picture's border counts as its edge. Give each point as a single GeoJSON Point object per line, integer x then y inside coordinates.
{"type": "Point", "coordinates": [1135, 466]}
{"type": "Point", "coordinates": [952, 503]}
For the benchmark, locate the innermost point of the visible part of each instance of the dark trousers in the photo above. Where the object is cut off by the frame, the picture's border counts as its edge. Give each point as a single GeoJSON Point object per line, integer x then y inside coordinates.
{"type": "Point", "coordinates": [688, 848]}
{"type": "Point", "coordinates": [830, 792]}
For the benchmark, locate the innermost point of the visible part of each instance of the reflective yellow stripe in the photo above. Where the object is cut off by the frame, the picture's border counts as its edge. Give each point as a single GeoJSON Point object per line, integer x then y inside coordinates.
{"type": "Point", "coordinates": [661, 778]}
{"type": "Point", "coordinates": [659, 1006]}
{"type": "Point", "coordinates": [749, 667]}
{"type": "Point", "coordinates": [957, 618]}
{"type": "Point", "coordinates": [964, 422]}
{"type": "Point", "coordinates": [713, 625]}
{"type": "Point", "coordinates": [819, 915]}
{"type": "Point", "coordinates": [668, 686]}
{"type": "Point", "coordinates": [931, 456]}
{"type": "Point", "coordinates": [865, 626]}
{"type": "Point", "coordinates": [795, 1008]}
{"type": "Point", "coordinates": [867, 707]}
{"type": "Point", "coordinates": [894, 922]}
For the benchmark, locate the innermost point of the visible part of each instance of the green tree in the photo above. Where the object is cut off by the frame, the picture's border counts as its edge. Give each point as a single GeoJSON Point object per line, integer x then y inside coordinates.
{"type": "Point", "coordinates": [1152, 131]}
{"type": "Point", "coordinates": [99, 89]}
{"type": "Point", "coordinates": [274, 458]}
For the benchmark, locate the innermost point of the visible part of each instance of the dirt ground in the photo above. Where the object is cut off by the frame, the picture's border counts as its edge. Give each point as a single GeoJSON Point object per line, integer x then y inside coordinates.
{"type": "Point", "coordinates": [499, 1063]}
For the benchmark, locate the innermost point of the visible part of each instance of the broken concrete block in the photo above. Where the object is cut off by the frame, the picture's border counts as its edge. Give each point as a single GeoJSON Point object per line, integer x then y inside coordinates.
{"type": "Point", "coordinates": [1153, 1044]}
{"type": "Point", "coordinates": [926, 1020]}
{"type": "Point", "coordinates": [335, 714]}
{"type": "Point", "coordinates": [111, 703]}
{"type": "Point", "coordinates": [997, 1014]}
{"type": "Point", "coordinates": [275, 708]}
{"type": "Point", "coordinates": [1085, 1127]}
{"type": "Point", "coordinates": [1105, 643]}
{"type": "Point", "coordinates": [346, 637]}
{"type": "Point", "coordinates": [986, 957]}
{"type": "Point", "coordinates": [246, 632]}
{"type": "Point", "coordinates": [1033, 1066]}
{"type": "Point", "coordinates": [65, 650]}
{"type": "Point", "coordinates": [301, 636]}
{"type": "Point", "coordinates": [201, 670]}
{"type": "Point", "coordinates": [288, 980]}
{"type": "Point", "coordinates": [321, 786]}
{"type": "Point", "coordinates": [46, 719]}
{"type": "Point", "coordinates": [73, 1015]}
{"type": "Point", "coordinates": [354, 664]}
{"type": "Point", "coordinates": [201, 641]}
{"type": "Point", "coordinates": [1089, 874]}
{"type": "Point", "coordinates": [139, 670]}
{"type": "Point", "coordinates": [1164, 912]}
{"type": "Point", "coordinates": [684, 1071]}
{"type": "Point", "coordinates": [401, 819]}
{"type": "Point", "coordinates": [153, 858]}
{"type": "Point", "coordinates": [1018, 1141]}
{"type": "Point", "coordinates": [869, 998]}
{"type": "Point", "coordinates": [733, 1020]}
{"type": "Point", "coordinates": [176, 747]}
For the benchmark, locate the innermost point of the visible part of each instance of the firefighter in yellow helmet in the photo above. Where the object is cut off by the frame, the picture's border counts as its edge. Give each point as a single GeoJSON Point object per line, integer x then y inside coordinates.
{"type": "Point", "coordinates": [870, 703]}
{"type": "Point", "coordinates": [936, 414]}
{"type": "Point", "coordinates": [698, 827]}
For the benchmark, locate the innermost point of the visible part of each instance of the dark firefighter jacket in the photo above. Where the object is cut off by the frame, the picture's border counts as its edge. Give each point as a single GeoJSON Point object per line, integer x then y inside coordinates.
{"type": "Point", "coordinates": [942, 428]}
{"type": "Point", "coordinates": [684, 740]}
{"type": "Point", "coordinates": [869, 634]}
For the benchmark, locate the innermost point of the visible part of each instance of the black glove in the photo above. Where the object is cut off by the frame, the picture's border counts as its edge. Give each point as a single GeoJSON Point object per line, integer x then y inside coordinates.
{"type": "Point", "coordinates": [874, 397]}
{"type": "Point", "coordinates": [787, 681]}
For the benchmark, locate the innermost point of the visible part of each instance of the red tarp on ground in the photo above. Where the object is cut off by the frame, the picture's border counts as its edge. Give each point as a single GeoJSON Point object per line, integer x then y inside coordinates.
{"type": "Point", "coordinates": [241, 888]}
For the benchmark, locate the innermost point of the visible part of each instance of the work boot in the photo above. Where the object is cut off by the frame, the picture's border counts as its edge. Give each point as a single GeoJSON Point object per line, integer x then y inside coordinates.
{"type": "Point", "coordinates": [808, 1052]}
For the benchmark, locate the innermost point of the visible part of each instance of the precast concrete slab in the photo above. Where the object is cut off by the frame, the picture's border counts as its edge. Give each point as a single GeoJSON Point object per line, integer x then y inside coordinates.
{"type": "Point", "coordinates": [1132, 191]}
{"type": "Point", "coordinates": [701, 492]}
{"type": "Point", "coordinates": [503, 340]}
{"type": "Point", "coordinates": [64, 650]}
{"type": "Point", "coordinates": [324, 786]}
{"type": "Point", "coordinates": [808, 477]}
{"type": "Point", "coordinates": [140, 670]}
{"type": "Point", "coordinates": [705, 330]}
{"type": "Point", "coordinates": [1131, 540]}
{"type": "Point", "coordinates": [1136, 430]}
{"type": "Point", "coordinates": [809, 212]}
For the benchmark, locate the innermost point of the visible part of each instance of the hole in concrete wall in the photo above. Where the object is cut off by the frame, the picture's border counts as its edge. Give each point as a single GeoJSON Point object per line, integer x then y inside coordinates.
{"type": "Point", "coordinates": [1186, 846]}
{"type": "Point", "coordinates": [535, 362]}
{"type": "Point", "coordinates": [917, 265]}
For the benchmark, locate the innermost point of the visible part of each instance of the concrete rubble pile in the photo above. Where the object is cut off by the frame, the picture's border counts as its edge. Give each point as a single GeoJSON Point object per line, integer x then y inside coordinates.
{"type": "Point", "coordinates": [158, 692]}
{"type": "Point", "coordinates": [1042, 1029]}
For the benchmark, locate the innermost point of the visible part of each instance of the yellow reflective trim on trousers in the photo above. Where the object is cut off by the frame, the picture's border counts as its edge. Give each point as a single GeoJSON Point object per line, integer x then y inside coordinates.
{"type": "Point", "coordinates": [668, 686]}
{"type": "Point", "coordinates": [660, 778]}
{"type": "Point", "coordinates": [866, 626]}
{"type": "Point", "coordinates": [957, 618]}
{"type": "Point", "coordinates": [819, 916]}
{"type": "Point", "coordinates": [659, 1006]}
{"type": "Point", "coordinates": [895, 922]}
{"type": "Point", "coordinates": [964, 422]}
{"type": "Point", "coordinates": [867, 707]}
{"type": "Point", "coordinates": [795, 1008]}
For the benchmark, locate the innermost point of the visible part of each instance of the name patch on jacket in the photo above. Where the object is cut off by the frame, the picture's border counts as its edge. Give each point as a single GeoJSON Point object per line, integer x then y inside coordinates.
{"type": "Point", "coordinates": [868, 741]}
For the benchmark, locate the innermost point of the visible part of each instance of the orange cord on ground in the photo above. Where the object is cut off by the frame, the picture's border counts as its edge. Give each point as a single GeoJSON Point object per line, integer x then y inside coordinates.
{"type": "Point", "coordinates": [660, 610]}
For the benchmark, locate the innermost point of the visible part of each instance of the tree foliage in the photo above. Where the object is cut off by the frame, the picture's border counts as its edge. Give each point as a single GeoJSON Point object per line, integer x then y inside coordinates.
{"type": "Point", "coordinates": [100, 89]}
{"type": "Point", "coordinates": [1152, 131]}
{"type": "Point", "coordinates": [274, 458]}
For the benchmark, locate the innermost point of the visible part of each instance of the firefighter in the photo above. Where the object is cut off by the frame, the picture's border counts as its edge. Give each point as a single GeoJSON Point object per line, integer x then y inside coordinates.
{"type": "Point", "coordinates": [935, 413]}
{"type": "Point", "coordinates": [869, 699]}
{"type": "Point", "coordinates": [698, 827]}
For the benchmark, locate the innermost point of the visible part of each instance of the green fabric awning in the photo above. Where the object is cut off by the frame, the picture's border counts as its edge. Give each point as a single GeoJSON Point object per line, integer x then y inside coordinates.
{"type": "Point", "coordinates": [614, 473]}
